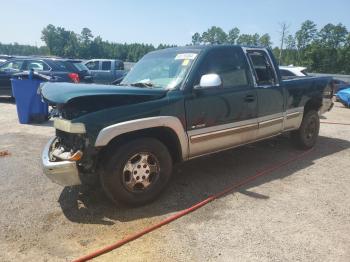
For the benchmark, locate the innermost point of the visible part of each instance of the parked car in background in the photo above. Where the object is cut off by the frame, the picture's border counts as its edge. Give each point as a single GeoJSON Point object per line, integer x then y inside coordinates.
{"type": "Point", "coordinates": [106, 71]}
{"type": "Point", "coordinates": [343, 96]}
{"type": "Point", "coordinates": [4, 58]}
{"type": "Point", "coordinates": [128, 66]}
{"type": "Point", "coordinates": [61, 70]}
{"type": "Point", "coordinates": [292, 71]}
{"type": "Point", "coordinates": [340, 85]}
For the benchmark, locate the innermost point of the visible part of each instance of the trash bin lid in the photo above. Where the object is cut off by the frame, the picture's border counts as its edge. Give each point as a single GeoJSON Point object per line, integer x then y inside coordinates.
{"type": "Point", "coordinates": [36, 75]}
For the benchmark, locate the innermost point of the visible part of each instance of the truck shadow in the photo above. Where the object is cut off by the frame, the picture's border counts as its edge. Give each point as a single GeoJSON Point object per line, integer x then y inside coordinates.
{"type": "Point", "coordinates": [48, 122]}
{"type": "Point", "coordinates": [197, 179]}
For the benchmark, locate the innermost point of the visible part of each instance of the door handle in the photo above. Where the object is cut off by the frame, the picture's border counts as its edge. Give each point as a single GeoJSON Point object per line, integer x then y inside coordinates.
{"type": "Point", "coordinates": [249, 98]}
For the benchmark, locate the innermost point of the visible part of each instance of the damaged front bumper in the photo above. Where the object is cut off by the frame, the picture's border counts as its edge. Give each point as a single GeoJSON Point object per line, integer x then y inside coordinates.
{"type": "Point", "coordinates": [64, 172]}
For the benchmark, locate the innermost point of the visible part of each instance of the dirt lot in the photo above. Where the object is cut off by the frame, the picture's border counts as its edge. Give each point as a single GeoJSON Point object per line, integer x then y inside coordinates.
{"type": "Point", "coordinates": [298, 213]}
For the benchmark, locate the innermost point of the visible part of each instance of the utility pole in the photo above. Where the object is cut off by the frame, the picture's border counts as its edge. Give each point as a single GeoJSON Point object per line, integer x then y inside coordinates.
{"type": "Point", "coordinates": [283, 32]}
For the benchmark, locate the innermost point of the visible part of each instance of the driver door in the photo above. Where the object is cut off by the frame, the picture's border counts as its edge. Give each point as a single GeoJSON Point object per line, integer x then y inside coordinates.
{"type": "Point", "coordinates": [222, 117]}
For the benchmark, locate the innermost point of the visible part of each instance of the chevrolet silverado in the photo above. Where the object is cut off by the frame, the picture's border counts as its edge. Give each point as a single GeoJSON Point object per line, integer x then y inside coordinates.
{"type": "Point", "coordinates": [174, 105]}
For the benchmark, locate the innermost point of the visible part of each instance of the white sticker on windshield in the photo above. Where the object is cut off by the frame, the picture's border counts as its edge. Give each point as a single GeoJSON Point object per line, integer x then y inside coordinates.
{"type": "Point", "coordinates": [190, 56]}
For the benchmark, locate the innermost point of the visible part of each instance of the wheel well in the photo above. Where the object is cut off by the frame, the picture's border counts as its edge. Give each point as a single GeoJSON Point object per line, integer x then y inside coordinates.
{"type": "Point", "coordinates": [312, 104]}
{"type": "Point", "coordinates": [164, 134]}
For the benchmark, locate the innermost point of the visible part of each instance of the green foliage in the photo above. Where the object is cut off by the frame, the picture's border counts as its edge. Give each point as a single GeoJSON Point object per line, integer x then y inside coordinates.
{"type": "Point", "coordinates": [196, 39]}
{"type": "Point", "coordinates": [214, 35]}
{"type": "Point", "coordinates": [249, 40]}
{"type": "Point", "coordinates": [333, 36]}
{"type": "Point", "coordinates": [69, 44]}
{"type": "Point", "coordinates": [306, 34]}
{"type": "Point", "coordinates": [265, 40]}
{"type": "Point", "coordinates": [17, 49]}
{"type": "Point", "coordinates": [290, 42]}
{"type": "Point", "coordinates": [65, 43]}
{"type": "Point", "coordinates": [323, 51]}
{"type": "Point", "coordinates": [60, 41]}
{"type": "Point", "coordinates": [233, 35]}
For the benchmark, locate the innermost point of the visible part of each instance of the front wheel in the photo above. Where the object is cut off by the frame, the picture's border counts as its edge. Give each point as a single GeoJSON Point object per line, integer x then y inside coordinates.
{"type": "Point", "coordinates": [136, 172]}
{"type": "Point", "coordinates": [306, 136]}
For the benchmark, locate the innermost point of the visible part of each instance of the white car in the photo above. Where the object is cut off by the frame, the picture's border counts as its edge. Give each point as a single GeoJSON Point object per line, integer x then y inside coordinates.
{"type": "Point", "coordinates": [292, 71]}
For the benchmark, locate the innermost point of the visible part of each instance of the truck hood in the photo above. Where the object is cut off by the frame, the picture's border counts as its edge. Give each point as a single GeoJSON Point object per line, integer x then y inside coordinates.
{"type": "Point", "coordinates": [62, 93]}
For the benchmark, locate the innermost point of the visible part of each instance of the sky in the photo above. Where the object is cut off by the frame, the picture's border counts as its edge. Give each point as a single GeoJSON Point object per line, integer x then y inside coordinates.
{"type": "Point", "coordinates": [161, 21]}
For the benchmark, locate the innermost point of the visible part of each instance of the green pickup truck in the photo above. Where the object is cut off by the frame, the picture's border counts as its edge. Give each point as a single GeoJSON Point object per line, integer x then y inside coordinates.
{"type": "Point", "coordinates": [174, 105]}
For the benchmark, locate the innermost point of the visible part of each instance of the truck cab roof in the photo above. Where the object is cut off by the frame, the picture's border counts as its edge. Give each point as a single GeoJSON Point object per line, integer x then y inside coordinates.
{"type": "Point", "coordinates": [199, 48]}
{"type": "Point", "coordinates": [104, 59]}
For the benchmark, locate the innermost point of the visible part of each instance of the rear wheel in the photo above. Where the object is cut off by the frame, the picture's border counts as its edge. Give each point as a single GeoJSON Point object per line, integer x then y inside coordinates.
{"type": "Point", "coordinates": [306, 136]}
{"type": "Point", "coordinates": [136, 172]}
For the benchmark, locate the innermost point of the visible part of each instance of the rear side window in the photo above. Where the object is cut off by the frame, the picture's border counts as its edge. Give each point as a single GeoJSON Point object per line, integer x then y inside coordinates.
{"type": "Point", "coordinates": [106, 65]}
{"type": "Point", "coordinates": [36, 65]}
{"type": "Point", "coordinates": [229, 63]}
{"type": "Point", "coordinates": [264, 73]}
{"type": "Point", "coordinates": [75, 66]}
{"type": "Point", "coordinates": [80, 66]}
{"type": "Point", "coordinates": [58, 65]}
{"type": "Point", "coordinates": [92, 65]}
{"type": "Point", "coordinates": [12, 65]}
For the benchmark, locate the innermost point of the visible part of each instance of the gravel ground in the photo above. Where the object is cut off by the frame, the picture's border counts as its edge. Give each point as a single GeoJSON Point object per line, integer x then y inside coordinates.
{"type": "Point", "coordinates": [300, 212]}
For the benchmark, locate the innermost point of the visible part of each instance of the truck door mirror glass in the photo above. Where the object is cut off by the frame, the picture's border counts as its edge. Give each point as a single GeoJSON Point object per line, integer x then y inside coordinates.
{"type": "Point", "coordinates": [210, 80]}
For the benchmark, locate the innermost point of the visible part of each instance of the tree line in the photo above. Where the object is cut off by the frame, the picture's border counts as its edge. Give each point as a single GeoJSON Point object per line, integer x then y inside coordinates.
{"type": "Point", "coordinates": [22, 50]}
{"type": "Point", "coordinates": [65, 43]}
{"type": "Point", "coordinates": [216, 35]}
{"type": "Point", "coordinates": [325, 51]}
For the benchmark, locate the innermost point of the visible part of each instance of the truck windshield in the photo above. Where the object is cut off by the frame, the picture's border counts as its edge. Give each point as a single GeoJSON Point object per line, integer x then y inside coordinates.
{"type": "Point", "coordinates": [160, 69]}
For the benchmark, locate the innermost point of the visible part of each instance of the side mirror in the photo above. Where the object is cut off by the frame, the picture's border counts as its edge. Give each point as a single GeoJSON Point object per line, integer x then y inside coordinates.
{"type": "Point", "coordinates": [210, 80]}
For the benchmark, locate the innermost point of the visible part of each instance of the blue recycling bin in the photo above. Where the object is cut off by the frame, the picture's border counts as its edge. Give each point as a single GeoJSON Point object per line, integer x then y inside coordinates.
{"type": "Point", "coordinates": [29, 105]}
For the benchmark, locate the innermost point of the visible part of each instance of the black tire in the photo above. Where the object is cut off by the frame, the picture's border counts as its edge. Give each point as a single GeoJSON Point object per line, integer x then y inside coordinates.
{"type": "Point", "coordinates": [306, 136]}
{"type": "Point", "coordinates": [113, 177]}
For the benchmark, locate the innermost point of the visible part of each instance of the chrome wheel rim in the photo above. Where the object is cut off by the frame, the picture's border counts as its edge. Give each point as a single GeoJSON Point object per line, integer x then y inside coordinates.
{"type": "Point", "coordinates": [140, 172]}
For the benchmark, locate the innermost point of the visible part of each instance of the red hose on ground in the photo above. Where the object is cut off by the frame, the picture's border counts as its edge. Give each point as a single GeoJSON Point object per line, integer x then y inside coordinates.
{"type": "Point", "coordinates": [188, 210]}
{"type": "Point", "coordinates": [335, 123]}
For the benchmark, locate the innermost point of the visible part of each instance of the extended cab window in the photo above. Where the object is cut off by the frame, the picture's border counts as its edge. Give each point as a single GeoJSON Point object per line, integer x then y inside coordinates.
{"type": "Point", "coordinates": [229, 64]}
{"type": "Point", "coordinates": [106, 65]}
{"type": "Point", "coordinates": [263, 70]}
{"type": "Point", "coordinates": [119, 65]}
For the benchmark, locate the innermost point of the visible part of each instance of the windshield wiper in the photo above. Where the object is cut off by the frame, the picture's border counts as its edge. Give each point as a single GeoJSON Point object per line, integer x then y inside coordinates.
{"type": "Point", "coordinates": [142, 84]}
